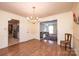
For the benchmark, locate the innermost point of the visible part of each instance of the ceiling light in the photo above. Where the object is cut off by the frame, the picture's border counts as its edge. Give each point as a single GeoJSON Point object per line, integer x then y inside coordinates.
{"type": "Point", "coordinates": [33, 19]}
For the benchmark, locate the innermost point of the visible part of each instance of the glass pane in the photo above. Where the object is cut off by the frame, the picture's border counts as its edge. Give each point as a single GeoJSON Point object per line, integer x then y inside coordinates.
{"type": "Point", "coordinates": [51, 29]}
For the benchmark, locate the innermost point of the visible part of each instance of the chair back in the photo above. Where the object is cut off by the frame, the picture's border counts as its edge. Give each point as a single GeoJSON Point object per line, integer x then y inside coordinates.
{"type": "Point", "coordinates": [68, 37]}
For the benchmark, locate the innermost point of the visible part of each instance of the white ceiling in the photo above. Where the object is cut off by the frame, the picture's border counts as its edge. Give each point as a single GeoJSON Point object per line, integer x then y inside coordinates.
{"type": "Point", "coordinates": [43, 9]}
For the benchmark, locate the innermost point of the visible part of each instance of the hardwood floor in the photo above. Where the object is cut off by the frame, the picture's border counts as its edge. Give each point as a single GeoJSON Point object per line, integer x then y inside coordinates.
{"type": "Point", "coordinates": [36, 48]}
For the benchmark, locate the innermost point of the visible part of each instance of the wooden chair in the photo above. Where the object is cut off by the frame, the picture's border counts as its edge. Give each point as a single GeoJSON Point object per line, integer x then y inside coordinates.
{"type": "Point", "coordinates": [67, 42]}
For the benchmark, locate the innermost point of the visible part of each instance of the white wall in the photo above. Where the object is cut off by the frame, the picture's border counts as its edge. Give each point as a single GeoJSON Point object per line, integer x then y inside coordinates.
{"type": "Point", "coordinates": [64, 24]}
{"type": "Point", "coordinates": [76, 30]}
{"type": "Point", "coordinates": [25, 28]}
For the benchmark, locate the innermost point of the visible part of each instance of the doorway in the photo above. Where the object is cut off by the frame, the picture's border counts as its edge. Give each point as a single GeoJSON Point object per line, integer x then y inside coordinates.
{"type": "Point", "coordinates": [13, 32]}
{"type": "Point", "coordinates": [48, 30]}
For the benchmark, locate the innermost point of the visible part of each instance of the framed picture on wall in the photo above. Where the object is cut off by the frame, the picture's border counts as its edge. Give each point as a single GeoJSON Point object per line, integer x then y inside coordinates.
{"type": "Point", "coordinates": [76, 18]}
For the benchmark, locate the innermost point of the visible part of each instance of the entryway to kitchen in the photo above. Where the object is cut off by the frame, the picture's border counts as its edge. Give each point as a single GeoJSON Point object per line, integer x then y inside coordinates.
{"type": "Point", "coordinates": [13, 32]}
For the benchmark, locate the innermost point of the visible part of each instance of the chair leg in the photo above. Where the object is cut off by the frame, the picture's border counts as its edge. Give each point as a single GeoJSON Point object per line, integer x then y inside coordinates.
{"type": "Point", "coordinates": [60, 45]}
{"type": "Point", "coordinates": [70, 46]}
{"type": "Point", "coordinates": [65, 47]}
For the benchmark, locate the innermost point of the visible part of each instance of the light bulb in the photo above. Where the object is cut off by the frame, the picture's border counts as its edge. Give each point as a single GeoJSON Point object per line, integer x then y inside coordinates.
{"type": "Point", "coordinates": [27, 17]}
{"type": "Point", "coordinates": [36, 17]}
{"type": "Point", "coordinates": [31, 17]}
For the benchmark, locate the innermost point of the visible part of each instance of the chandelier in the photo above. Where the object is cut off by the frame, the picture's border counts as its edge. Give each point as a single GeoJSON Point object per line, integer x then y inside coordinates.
{"type": "Point", "coordinates": [33, 19]}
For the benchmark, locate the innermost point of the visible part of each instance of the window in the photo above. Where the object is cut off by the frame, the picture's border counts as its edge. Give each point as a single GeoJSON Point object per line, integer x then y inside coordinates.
{"type": "Point", "coordinates": [51, 29]}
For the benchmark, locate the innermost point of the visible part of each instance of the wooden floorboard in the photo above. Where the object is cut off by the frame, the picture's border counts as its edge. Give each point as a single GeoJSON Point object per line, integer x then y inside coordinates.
{"type": "Point", "coordinates": [36, 48]}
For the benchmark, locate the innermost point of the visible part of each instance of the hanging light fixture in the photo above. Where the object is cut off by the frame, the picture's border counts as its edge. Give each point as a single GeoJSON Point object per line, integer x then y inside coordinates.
{"type": "Point", "coordinates": [33, 19]}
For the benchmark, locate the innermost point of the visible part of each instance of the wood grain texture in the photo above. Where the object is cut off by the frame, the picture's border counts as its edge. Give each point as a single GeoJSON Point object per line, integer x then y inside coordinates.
{"type": "Point", "coordinates": [36, 48]}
